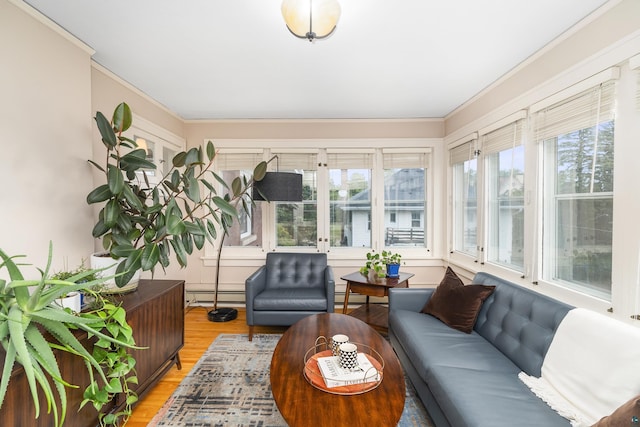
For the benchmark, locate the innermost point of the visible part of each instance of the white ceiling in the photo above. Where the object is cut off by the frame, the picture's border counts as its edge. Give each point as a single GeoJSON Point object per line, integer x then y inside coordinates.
{"type": "Point", "coordinates": [235, 59]}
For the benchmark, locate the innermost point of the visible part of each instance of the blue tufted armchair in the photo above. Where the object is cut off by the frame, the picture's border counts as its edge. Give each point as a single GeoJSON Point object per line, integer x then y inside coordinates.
{"type": "Point", "coordinates": [287, 288]}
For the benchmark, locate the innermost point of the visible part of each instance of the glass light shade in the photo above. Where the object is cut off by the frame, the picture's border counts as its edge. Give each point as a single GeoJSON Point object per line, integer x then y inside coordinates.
{"type": "Point", "coordinates": [311, 19]}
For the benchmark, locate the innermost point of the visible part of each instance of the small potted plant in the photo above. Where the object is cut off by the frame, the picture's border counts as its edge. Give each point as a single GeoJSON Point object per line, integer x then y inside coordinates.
{"type": "Point", "coordinates": [392, 262]}
{"type": "Point", "coordinates": [384, 264]}
{"type": "Point", "coordinates": [81, 274]}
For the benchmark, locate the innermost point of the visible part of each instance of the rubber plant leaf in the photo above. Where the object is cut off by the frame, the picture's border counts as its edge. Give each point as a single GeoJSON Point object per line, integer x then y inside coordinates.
{"type": "Point", "coordinates": [225, 206]}
{"type": "Point", "coordinates": [211, 151]}
{"type": "Point", "coordinates": [260, 171]}
{"type": "Point", "coordinates": [122, 117]}
{"type": "Point", "coordinates": [100, 194]}
{"type": "Point", "coordinates": [115, 180]}
{"type": "Point", "coordinates": [106, 131]}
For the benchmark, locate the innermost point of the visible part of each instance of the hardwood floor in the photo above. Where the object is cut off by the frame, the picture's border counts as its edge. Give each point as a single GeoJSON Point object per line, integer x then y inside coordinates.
{"type": "Point", "coordinates": [199, 333]}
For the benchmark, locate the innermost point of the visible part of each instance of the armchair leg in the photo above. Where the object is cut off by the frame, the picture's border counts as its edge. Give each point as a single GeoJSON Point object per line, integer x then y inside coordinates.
{"type": "Point", "coordinates": [251, 333]}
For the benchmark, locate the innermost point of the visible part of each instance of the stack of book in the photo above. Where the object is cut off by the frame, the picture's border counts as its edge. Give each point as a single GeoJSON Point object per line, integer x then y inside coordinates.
{"type": "Point", "coordinates": [336, 376]}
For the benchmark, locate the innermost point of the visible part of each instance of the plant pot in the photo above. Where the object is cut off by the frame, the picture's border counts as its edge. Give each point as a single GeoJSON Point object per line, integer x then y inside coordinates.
{"type": "Point", "coordinates": [102, 260]}
{"type": "Point", "coordinates": [393, 270]}
{"type": "Point", "coordinates": [73, 301]}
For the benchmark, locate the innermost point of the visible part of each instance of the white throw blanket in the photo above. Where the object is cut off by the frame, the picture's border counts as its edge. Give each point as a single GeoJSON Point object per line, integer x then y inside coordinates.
{"type": "Point", "coordinates": [592, 367]}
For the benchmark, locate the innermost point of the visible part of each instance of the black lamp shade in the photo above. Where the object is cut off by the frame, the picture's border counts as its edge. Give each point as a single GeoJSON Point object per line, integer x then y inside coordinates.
{"type": "Point", "coordinates": [279, 187]}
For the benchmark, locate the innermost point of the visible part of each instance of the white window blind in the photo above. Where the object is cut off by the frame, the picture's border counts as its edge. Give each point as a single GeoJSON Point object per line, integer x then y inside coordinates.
{"type": "Point", "coordinates": [229, 161]}
{"type": "Point", "coordinates": [584, 110]}
{"type": "Point", "coordinates": [399, 159]}
{"type": "Point", "coordinates": [349, 160]}
{"type": "Point", "coordinates": [296, 161]}
{"type": "Point", "coordinates": [463, 152]}
{"type": "Point", "coordinates": [509, 136]}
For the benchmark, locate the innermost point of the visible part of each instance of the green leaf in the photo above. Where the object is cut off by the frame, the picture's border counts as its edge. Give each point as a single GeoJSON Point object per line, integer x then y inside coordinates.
{"type": "Point", "coordinates": [220, 180]}
{"type": "Point", "coordinates": [164, 254]}
{"type": "Point", "coordinates": [211, 151]}
{"type": "Point", "coordinates": [106, 131]}
{"type": "Point", "coordinates": [122, 251]}
{"type": "Point", "coordinates": [122, 117]}
{"type": "Point", "coordinates": [192, 228]}
{"type": "Point", "coordinates": [193, 190]}
{"type": "Point", "coordinates": [111, 211]}
{"type": "Point", "coordinates": [175, 225]}
{"type": "Point", "coordinates": [260, 171]}
{"type": "Point", "coordinates": [150, 256]}
{"type": "Point", "coordinates": [209, 186]}
{"type": "Point", "coordinates": [181, 254]}
{"type": "Point", "coordinates": [132, 198]}
{"type": "Point", "coordinates": [198, 240]}
{"type": "Point", "coordinates": [225, 206]}
{"type": "Point", "coordinates": [212, 229]}
{"type": "Point", "coordinates": [16, 329]}
{"type": "Point", "coordinates": [115, 180]}
{"type": "Point", "coordinates": [135, 160]}
{"type": "Point", "coordinates": [236, 187]}
{"type": "Point", "coordinates": [178, 160]}
{"type": "Point", "coordinates": [193, 156]}
{"type": "Point", "coordinates": [100, 194]}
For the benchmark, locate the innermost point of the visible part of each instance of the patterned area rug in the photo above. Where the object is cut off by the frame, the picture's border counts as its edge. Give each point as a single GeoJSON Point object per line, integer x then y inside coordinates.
{"type": "Point", "coordinates": [229, 386]}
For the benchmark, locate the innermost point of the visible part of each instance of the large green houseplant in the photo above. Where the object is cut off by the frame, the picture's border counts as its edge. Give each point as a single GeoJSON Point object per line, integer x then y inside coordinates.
{"type": "Point", "coordinates": [144, 223]}
{"type": "Point", "coordinates": [32, 325]}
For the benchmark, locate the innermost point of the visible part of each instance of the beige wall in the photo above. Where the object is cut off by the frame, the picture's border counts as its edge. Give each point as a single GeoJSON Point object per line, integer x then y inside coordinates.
{"type": "Point", "coordinates": [45, 140]}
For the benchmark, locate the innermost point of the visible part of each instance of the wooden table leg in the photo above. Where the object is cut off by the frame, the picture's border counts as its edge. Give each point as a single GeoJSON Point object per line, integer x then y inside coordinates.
{"type": "Point", "coordinates": [346, 298]}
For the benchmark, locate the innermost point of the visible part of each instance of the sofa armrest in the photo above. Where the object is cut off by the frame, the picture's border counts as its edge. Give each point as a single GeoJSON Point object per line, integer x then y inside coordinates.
{"type": "Point", "coordinates": [409, 299]}
{"type": "Point", "coordinates": [330, 284]}
{"type": "Point", "coordinates": [254, 284]}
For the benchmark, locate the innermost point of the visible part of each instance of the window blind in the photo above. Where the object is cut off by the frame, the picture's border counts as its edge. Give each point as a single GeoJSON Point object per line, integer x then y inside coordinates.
{"type": "Point", "coordinates": [584, 110]}
{"type": "Point", "coordinates": [506, 137]}
{"type": "Point", "coordinates": [392, 159]}
{"type": "Point", "coordinates": [230, 161]}
{"type": "Point", "coordinates": [288, 162]}
{"type": "Point", "coordinates": [463, 152]}
{"type": "Point", "coordinates": [349, 160]}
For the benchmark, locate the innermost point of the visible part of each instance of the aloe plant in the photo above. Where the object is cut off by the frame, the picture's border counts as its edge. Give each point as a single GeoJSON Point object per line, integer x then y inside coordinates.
{"type": "Point", "coordinates": [144, 223]}
{"type": "Point", "coordinates": [28, 317]}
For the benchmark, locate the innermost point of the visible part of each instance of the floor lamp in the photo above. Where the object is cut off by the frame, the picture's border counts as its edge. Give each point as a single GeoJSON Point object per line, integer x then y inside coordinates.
{"type": "Point", "coordinates": [274, 187]}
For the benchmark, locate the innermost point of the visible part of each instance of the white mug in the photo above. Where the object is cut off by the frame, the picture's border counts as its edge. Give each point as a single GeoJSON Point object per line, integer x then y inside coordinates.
{"type": "Point", "coordinates": [336, 341]}
{"type": "Point", "coordinates": [348, 356]}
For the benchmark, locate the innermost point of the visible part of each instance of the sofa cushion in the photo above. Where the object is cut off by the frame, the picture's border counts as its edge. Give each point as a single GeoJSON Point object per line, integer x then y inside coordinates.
{"type": "Point", "coordinates": [455, 304]}
{"type": "Point", "coordinates": [623, 415]}
{"type": "Point", "coordinates": [521, 323]}
{"type": "Point", "coordinates": [471, 397]}
{"type": "Point", "coordinates": [430, 344]}
{"type": "Point", "coordinates": [295, 299]}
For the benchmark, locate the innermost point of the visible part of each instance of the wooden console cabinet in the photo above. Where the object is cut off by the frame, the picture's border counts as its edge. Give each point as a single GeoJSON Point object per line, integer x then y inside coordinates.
{"type": "Point", "coordinates": [155, 311]}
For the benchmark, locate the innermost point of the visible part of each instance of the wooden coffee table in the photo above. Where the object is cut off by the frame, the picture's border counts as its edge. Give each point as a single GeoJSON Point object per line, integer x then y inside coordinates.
{"type": "Point", "coordinates": [301, 404]}
{"type": "Point", "coordinates": [372, 314]}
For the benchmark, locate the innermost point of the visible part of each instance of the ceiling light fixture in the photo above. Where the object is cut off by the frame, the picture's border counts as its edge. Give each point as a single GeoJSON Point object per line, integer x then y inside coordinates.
{"type": "Point", "coordinates": [311, 19]}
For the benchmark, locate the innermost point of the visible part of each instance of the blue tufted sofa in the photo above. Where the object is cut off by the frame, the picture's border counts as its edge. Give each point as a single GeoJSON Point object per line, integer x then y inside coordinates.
{"type": "Point", "coordinates": [287, 288]}
{"type": "Point", "coordinates": [472, 379]}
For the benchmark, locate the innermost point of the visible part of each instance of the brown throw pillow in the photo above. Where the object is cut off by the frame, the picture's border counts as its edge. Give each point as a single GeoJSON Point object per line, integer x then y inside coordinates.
{"type": "Point", "coordinates": [623, 416]}
{"type": "Point", "coordinates": [455, 304]}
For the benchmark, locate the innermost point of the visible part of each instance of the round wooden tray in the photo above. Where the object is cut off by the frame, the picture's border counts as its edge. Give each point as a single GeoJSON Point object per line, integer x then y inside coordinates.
{"type": "Point", "coordinates": [314, 377]}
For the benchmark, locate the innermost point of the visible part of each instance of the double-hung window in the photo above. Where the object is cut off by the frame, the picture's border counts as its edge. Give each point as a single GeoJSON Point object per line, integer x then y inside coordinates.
{"type": "Point", "coordinates": [404, 197]}
{"type": "Point", "coordinates": [296, 223]}
{"type": "Point", "coordinates": [350, 178]}
{"type": "Point", "coordinates": [247, 229]}
{"type": "Point", "coordinates": [464, 167]}
{"type": "Point", "coordinates": [578, 141]}
{"type": "Point", "coordinates": [503, 151]}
